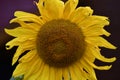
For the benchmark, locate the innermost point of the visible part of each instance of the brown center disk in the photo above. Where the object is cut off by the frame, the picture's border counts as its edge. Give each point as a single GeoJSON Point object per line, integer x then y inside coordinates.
{"type": "Point", "coordinates": [60, 43]}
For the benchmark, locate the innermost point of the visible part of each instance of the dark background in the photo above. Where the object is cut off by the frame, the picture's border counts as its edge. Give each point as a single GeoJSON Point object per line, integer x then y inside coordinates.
{"type": "Point", "coordinates": [108, 8]}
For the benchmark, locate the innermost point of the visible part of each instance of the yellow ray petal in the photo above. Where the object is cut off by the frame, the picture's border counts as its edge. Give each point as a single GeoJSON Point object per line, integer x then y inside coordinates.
{"type": "Point", "coordinates": [24, 16]}
{"type": "Point", "coordinates": [73, 74]}
{"type": "Point", "coordinates": [66, 74]}
{"type": "Point", "coordinates": [90, 57]}
{"type": "Point", "coordinates": [96, 52]}
{"type": "Point", "coordinates": [84, 75]}
{"type": "Point", "coordinates": [58, 74]}
{"type": "Point", "coordinates": [90, 71]}
{"type": "Point", "coordinates": [78, 71]}
{"type": "Point", "coordinates": [15, 42]}
{"type": "Point", "coordinates": [29, 56]}
{"type": "Point", "coordinates": [80, 14]}
{"type": "Point", "coordinates": [18, 41]}
{"type": "Point", "coordinates": [42, 11]}
{"type": "Point", "coordinates": [35, 66]}
{"type": "Point", "coordinates": [22, 48]}
{"type": "Point", "coordinates": [34, 26]}
{"type": "Point", "coordinates": [14, 60]}
{"type": "Point", "coordinates": [31, 26]}
{"type": "Point", "coordinates": [98, 67]}
{"type": "Point", "coordinates": [99, 41]}
{"type": "Point", "coordinates": [19, 31]}
{"type": "Point", "coordinates": [95, 30]}
{"type": "Point", "coordinates": [20, 70]}
{"type": "Point", "coordinates": [106, 33]}
{"type": "Point", "coordinates": [44, 72]}
{"type": "Point", "coordinates": [27, 19]}
{"type": "Point", "coordinates": [52, 74]}
{"type": "Point", "coordinates": [94, 20]}
{"type": "Point", "coordinates": [52, 9]}
{"type": "Point", "coordinates": [70, 6]}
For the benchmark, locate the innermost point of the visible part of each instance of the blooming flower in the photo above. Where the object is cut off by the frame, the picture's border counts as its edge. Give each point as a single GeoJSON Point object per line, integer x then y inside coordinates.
{"type": "Point", "coordinates": [63, 42]}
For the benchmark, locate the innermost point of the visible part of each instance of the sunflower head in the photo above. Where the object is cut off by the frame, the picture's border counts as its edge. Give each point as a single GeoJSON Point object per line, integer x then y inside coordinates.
{"type": "Point", "coordinates": [63, 41]}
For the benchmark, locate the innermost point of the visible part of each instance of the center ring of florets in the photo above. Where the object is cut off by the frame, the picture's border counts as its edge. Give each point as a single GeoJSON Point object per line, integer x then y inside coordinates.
{"type": "Point", "coordinates": [60, 43]}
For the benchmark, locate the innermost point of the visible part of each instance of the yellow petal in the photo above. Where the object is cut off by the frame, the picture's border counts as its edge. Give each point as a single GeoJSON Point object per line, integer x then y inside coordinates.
{"type": "Point", "coordinates": [86, 54]}
{"type": "Point", "coordinates": [73, 74]}
{"type": "Point", "coordinates": [99, 41]}
{"type": "Point", "coordinates": [95, 30]}
{"type": "Point", "coordinates": [34, 26]}
{"type": "Point", "coordinates": [19, 31]}
{"type": "Point", "coordinates": [90, 71]}
{"type": "Point", "coordinates": [58, 74]}
{"type": "Point", "coordinates": [106, 33]}
{"type": "Point", "coordinates": [31, 26]}
{"type": "Point", "coordinates": [14, 42]}
{"type": "Point", "coordinates": [52, 73]}
{"type": "Point", "coordinates": [27, 19]}
{"type": "Point", "coordinates": [78, 72]}
{"type": "Point", "coordinates": [52, 9]}
{"type": "Point", "coordinates": [70, 6]}
{"type": "Point", "coordinates": [18, 41]}
{"type": "Point", "coordinates": [66, 74]}
{"type": "Point", "coordinates": [44, 73]}
{"type": "Point", "coordinates": [94, 26]}
{"type": "Point", "coordinates": [24, 16]}
{"type": "Point", "coordinates": [96, 53]}
{"type": "Point", "coordinates": [42, 10]}
{"type": "Point", "coordinates": [94, 20]}
{"type": "Point", "coordinates": [97, 67]}
{"type": "Point", "coordinates": [22, 48]}
{"type": "Point", "coordinates": [80, 14]}
{"type": "Point", "coordinates": [34, 69]}
{"type": "Point", "coordinates": [20, 70]}
{"type": "Point", "coordinates": [29, 56]}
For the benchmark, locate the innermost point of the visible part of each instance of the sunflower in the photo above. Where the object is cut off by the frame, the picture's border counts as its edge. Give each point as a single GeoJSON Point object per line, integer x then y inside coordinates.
{"type": "Point", "coordinates": [62, 43]}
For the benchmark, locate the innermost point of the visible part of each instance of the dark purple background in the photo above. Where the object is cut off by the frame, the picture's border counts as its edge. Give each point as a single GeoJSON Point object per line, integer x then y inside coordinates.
{"type": "Point", "coordinates": [108, 8]}
{"type": "Point", "coordinates": [8, 7]}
